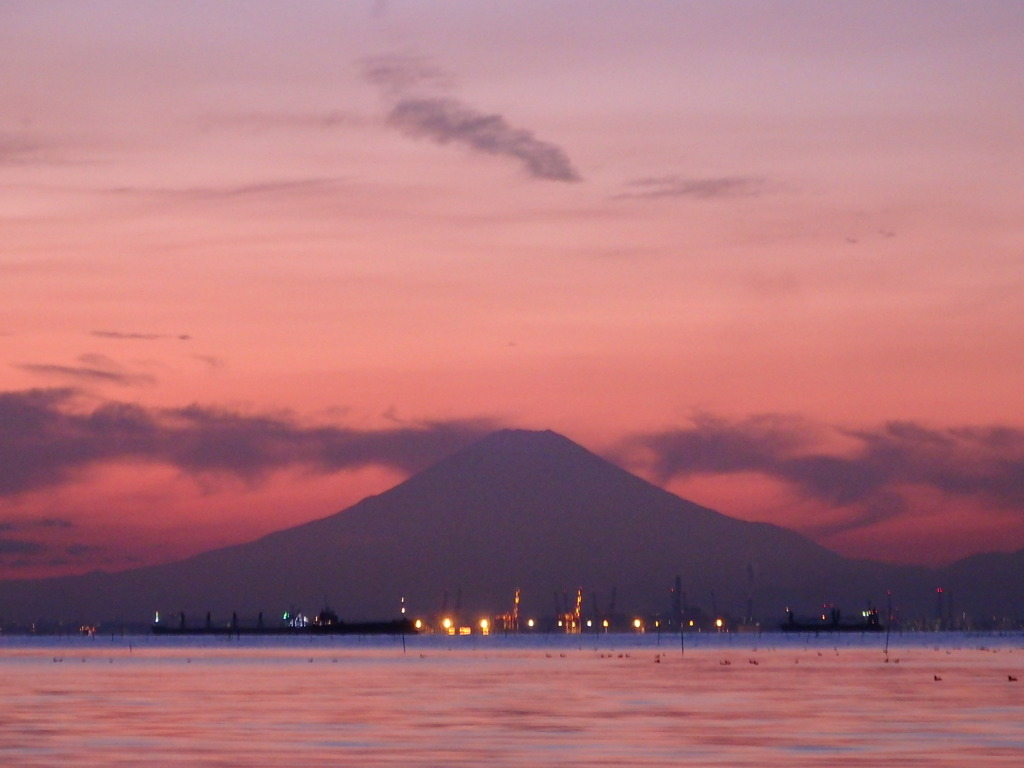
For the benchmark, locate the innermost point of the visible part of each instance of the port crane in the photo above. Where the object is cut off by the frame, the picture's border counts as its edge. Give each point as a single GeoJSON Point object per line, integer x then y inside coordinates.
{"type": "Point", "coordinates": [510, 620]}
{"type": "Point", "coordinates": [570, 621]}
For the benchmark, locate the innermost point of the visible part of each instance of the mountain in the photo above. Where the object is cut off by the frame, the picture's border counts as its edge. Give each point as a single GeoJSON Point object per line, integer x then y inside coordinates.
{"type": "Point", "coordinates": [517, 510]}
{"type": "Point", "coordinates": [985, 587]}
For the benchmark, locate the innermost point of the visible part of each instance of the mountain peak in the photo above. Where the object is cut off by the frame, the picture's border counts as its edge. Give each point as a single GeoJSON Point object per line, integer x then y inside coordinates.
{"type": "Point", "coordinates": [524, 438]}
{"type": "Point", "coordinates": [519, 455]}
{"type": "Point", "coordinates": [520, 509]}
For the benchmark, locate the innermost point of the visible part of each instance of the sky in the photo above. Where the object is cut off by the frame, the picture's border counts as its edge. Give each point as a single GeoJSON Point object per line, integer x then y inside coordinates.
{"type": "Point", "coordinates": [259, 260]}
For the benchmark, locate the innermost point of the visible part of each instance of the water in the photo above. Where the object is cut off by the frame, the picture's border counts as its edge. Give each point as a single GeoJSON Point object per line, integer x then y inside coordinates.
{"type": "Point", "coordinates": [604, 701]}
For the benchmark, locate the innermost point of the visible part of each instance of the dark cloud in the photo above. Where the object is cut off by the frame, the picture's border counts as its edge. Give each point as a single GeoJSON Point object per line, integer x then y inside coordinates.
{"type": "Point", "coordinates": [678, 186]}
{"type": "Point", "coordinates": [716, 446]}
{"type": "Point", "coordinates": [52, 522]}
{"type": "Point", "coordinates": [18, 547]}
{"type": "Point", "coordinates": [45, 522]}
{"type": "Point", "coordinates": [203, 439]}
{"type": "Point", "coordinates": [80, 550]}
{"type": "Point", "coordinates": [410, 83]}
{"type": "Point", "coordinates": [447, 121]}
{"type": "Point", "coordinates": [47, 441]}
{"type": "Point", "coordinates": [92, 368]}
{"type": "Point", "coordinates": [875, 470]}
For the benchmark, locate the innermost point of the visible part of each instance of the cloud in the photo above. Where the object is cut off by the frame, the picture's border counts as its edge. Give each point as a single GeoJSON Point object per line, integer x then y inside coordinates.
{"type": "Point", "coordinates": [19, 547]}
{"type": "Point", "coordinates": [400, 75]}
{"type": "Point", "coordinates": [44, 522]}
{"type": "Point", "coordinates": [48, 440]}
{"type": "Point", "coordinates": [298, 187]}
{"type": "Point", "coordinates": [203, 439]}
{"type": "Point", "coordinates": [257, 122]}
{"type": "Point", "coordinates": [700, 188]}
{"type": "Point", "coordinates": [210, 361]}
{"type": "Point", "coordinates": [447, 121]}
{"type": "Point", "coordinates": [410, 84]}
{"type": "Point", "coordinates": [80, 550]}
{"type": "Point", "coordinates": [132, 336]}
{"type": "Point", "coordinates": [875, 469]}
{"type": "Point", "coordinates": [17, 149]}
{"type": "Point", "coordinates": [93, 369]}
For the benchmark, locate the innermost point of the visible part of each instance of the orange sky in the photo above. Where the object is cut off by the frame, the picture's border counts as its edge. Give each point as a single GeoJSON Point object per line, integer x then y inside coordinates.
{"type": "Point", "coordinates": [260, 259]}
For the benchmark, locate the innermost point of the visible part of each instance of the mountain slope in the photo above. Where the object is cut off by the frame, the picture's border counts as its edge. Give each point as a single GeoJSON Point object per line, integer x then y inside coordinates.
{"type": "Point", "coordinates": [527, 510]}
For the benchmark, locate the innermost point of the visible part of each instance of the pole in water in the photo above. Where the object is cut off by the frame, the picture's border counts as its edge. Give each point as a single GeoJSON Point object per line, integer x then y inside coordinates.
{"type": "Point", "coordinates": [403, 642]}
{"type": "Point", "coordinates": [888, 623]}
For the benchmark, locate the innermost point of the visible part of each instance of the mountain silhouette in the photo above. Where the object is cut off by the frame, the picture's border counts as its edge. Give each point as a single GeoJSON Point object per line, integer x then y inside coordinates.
{"type": "Point", "coordinates": [517, 510]}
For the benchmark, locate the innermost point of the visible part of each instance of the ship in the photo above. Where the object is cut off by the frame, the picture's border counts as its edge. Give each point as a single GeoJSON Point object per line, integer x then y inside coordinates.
{"type": "Point", "coordinates": [833, 622]}
{"type": "Point", "coordinates": [325, 623]}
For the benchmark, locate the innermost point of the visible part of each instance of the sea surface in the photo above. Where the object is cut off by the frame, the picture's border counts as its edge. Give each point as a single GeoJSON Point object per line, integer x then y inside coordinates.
{"type": "Point", "coordinates": [601, 700]}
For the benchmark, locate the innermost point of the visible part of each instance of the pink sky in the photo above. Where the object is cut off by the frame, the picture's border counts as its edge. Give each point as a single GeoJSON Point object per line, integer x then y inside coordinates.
{"type": "Point", "coordinates": [261, 259]}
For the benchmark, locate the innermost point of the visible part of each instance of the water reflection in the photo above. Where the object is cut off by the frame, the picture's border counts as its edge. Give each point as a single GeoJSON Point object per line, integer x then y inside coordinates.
{"type": "Point", "coordinates": [499, 701]}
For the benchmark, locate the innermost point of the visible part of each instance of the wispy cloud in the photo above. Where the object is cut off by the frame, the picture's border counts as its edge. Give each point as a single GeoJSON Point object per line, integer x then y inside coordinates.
{"type": "Point", "coordinates": [44, 523]}
{"type": "Point", "coordinates": [80, 550]}
{"type": "Point", "coordinates": [135, 336]}
{"type": "Point", "coordinates": [446, 120]}
{"type": "Point", "coordinates": [17, 148]}
{"type": "Point", "coordinates": [211, 362]}
{"type": "Point", "coordinates": [398, 76]}
{"type": "Point", "coordinates": [47, 441]}
{"type": "Point", "coordinates": [875, 469]}
{"type": "Point", "coordinates": [92, 368]}
{"type": "Point", "coordinates": [655, 187]}
{"type": "Point", "coordinates": [258, 122]}
{"type": "Point", "coordinates": [19, 547]}
{"type": "Point", "coordinates": [276, 188]}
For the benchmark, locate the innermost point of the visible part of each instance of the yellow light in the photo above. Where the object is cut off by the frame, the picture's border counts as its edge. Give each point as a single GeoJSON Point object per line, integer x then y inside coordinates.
{"type": "Point", "coordinates": [465, 630]}
{"type": "Point", "coordinates": [529, 623]}
{"type": "Point", "coordinates": [590, 623]}
{"type": "Point", "coordinates": [605, 623]}
{"type": "Point", "coordinates": [485, 626]}
{"type": "Point", "coordinates": [691, 622]}
{"type": "Point", "coordinates": [418, 624]}
{"type": "Point", "coordinates": [718, 623]}
{"type": "Point", "coordinates": [446, 623]}
{"type": "Point", "coordinates": [637, 623]}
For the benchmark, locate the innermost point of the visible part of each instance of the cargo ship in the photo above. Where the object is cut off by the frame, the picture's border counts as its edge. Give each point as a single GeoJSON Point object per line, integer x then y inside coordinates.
{"type": "Point", "coordinates": [833, 622]}
{"type": "Point", "coordinates": [325, 623]}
